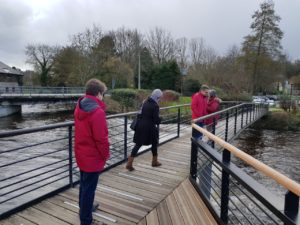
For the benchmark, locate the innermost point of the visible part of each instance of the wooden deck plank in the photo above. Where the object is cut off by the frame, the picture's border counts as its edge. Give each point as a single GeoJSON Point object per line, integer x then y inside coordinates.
{"type": "Point", "coordinates": [193, 209]}
{"type": "Point", "coordinates": [40, 217]}
{"type": "Point", "coordinates": [58, 212]}
{"type": "Point", "coordinates": [174, 211]}
{"type": "Point", "coordinates": [163, 214]}
{"type": "Point", "coordinates": [152, 218]}
{"type": "Point", "coordinates": [59, 200]}
{"type": "Point", "coordinates": [134, 183]}
{"type": "Point", "coordinates": [198, 201]}
{"type": "Point", "coordinates": [143, 222]}
{"type": "Point", "coordinates": [152, 177]}
{"type": "Point", "coordinates": [185, 211]}
{"type": "Point", "coordinates": [133, 190]}
{"type": "Point", "coordinates": [16, 220]}
{"type": "Point", "coordinates": [110, 207]}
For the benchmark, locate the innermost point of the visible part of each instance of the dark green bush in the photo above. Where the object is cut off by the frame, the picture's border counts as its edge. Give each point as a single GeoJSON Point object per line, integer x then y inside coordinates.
{"type": "Point", "coordinates": [190, 87]}
{"type": "Point", "coordinates": [126, 97]}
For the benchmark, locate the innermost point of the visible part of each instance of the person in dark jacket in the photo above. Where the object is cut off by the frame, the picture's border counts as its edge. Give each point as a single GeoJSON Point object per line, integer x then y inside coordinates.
{"type": "Point", "coordinates": [91, 145]}
{"type": "Point", "coordinates": [146, 132]}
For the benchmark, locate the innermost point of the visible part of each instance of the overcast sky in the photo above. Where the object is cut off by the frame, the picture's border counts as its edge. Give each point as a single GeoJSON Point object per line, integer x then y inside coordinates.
{"type": "Point", "coordinates": [222, 23]}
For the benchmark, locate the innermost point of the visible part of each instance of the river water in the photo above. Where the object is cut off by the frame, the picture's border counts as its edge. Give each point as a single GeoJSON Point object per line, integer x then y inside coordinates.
{"type": "Point", "coordinates": [280, 150]}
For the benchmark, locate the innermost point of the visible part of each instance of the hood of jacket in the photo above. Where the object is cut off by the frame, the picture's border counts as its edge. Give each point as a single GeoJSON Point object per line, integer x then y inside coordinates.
{"type": "Point", "coordinates": [87, 105]}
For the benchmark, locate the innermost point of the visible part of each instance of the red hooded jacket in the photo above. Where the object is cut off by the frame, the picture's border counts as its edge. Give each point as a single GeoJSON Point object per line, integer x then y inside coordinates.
{"type": "Point", "coordinates": [212, 106]}
{"type": "Point", "coordinates": [91, 135]}
{"type": "Point", "coordinates": [198, 105]}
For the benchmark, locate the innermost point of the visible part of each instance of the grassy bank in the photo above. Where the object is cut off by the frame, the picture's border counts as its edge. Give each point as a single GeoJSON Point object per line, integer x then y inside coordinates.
{"type": "Point", "coordinates": [278, 119]}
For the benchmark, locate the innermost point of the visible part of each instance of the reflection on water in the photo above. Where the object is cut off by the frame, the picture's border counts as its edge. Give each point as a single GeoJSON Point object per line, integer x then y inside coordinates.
{"type": "Point", "coordinates": [277, 149]}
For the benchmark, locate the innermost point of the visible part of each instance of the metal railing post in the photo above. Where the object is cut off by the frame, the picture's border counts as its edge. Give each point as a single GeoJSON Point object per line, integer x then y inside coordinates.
{"type": "Point", "coordinates": [226, 127]}
{"type": "Point", "coordinates": [242, 117]}
{"type": "Point", "coordinates": [235, 120]}
{"type": "Point", "coordinates": [250, 116]}
{"type": "Point", "coordinates": [214, 131]}
{"type": "Point", "coordinates": [193, 166]}
{"type": "Point", "coordinates": [225, 188]}
{"type": "Point", "coordinates": [125, 136]}
{"type": "Point", "coordinates": [291, 205]}
{"type": "Point", "coordinates": [247, 110]}
{"type": "Point", "coordinates": [178, 122]}
{"type": "Point", "coordinates": [70, 157]}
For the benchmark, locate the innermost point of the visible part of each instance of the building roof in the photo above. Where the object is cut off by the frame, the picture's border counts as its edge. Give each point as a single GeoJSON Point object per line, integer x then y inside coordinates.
{"type": "Point", "coordinates": [5, 69]}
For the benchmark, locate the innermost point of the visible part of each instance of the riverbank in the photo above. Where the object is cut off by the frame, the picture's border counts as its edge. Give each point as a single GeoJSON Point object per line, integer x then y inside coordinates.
{"type": "Point", "coordinates": [278, 119]}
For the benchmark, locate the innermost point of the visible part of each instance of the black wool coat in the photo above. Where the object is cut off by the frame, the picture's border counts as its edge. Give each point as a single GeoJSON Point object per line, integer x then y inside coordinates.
{"type": "Point", "coordinates": [146, 132]}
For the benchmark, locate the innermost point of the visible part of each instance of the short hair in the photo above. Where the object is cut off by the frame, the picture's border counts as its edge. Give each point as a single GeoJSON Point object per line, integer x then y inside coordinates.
{"type": "Point", "coordinates": [204, 87]}
{"type": "Point", "coordinates": [94, 87]}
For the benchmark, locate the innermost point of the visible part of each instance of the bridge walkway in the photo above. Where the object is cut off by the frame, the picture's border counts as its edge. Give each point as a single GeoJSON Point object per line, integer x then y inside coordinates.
{"type": "Point", "coordinates": [145, 196]}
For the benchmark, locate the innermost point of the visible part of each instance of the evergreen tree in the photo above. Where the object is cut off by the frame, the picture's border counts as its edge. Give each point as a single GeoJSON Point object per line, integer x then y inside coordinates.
{"type": "Point", "coordinates": [166, 76]}
{"type": "Point", "coordinates": [262, 48]}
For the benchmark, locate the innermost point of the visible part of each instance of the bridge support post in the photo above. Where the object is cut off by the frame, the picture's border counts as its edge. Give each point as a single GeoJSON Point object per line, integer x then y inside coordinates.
{"type": "Point", "coordinates": [291, 205]}
{"type": "Point", "coordinates": [70, 156]}
{"type": "Point", "coordinates": [194, 155]}
{"type": "Point", "coordinates": [225, 189]}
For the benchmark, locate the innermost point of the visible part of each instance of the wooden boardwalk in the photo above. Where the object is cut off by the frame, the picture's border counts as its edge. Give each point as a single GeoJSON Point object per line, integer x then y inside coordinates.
{"type": "Point", "coordinates": [146, 196]}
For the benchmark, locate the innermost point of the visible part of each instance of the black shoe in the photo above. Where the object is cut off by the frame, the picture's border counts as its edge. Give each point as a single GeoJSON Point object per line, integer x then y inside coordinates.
{"type": "Point", "coordinates": [95, 207]}
{"type": "Point", "coordinates": [98, 223]}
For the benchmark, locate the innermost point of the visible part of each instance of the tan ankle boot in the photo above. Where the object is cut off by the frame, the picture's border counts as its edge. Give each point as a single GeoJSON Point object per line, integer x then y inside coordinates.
{"type": "Point", "coordinates": [155, 162]}
{"type": "Point", "coordinates": [129, 164]}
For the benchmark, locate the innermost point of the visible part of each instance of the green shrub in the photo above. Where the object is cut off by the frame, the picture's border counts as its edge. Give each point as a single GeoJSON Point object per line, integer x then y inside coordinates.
{"type": "Point", "coordinates": [126, 97]}
{"type": "Point", "coordinates": [190, 86]}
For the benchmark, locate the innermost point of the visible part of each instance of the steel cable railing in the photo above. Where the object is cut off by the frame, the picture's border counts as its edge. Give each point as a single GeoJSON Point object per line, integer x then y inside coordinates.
{"type": "Point", "coordinates": [43, 157]}
{"type": "Point", "coordinates": [231, 194]}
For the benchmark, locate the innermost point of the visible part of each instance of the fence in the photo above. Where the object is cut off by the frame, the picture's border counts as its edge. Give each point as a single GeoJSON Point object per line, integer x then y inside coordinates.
{"type": "Point", "coordinates": [232, 195]}
{"type": "Point", "coordinates": [38, 162]}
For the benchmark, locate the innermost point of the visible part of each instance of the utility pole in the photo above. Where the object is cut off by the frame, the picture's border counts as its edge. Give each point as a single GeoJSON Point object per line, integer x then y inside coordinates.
{"type": "Point", "coordinates": [139, 72]}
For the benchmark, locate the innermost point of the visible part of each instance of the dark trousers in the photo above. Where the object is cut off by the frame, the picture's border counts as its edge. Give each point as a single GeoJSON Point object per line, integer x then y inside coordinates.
{"type": "Point", "coordinates": [88, 184]}
{"type": "Point", "coordinates": [138, 146]}
{"type": "Point", "coordinates": [195, 133]}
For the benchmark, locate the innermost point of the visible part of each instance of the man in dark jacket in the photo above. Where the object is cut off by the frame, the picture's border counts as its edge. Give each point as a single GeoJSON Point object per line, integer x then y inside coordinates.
{"type": "Point", "coordinates": [146, 132]}
{"type": "Point", "coordinates": [91, 144]}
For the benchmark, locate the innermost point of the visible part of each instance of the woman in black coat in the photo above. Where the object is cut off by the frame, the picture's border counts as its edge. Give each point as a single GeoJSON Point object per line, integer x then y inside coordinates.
{"type": "Point", "coordinates": [146, 132]}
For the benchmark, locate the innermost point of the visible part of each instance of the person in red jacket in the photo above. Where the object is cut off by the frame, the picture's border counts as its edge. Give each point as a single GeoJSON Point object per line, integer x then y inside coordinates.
{"type": "Point", "coordinates": [91, 145]}
{"type": "Point", "coordinates": [199, 109]}
{"type": "Point", "coordinates": [213, 105]}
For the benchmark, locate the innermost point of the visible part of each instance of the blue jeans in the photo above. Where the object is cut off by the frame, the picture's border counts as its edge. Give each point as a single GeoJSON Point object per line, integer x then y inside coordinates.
{"type": "Point", "coordinates": [195, 133]}
{"type": "Point", "coordinates": [88, 184]}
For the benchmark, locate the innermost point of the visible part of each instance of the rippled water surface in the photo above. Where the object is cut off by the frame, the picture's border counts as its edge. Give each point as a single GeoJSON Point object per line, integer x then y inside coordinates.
{"type": "Point", "coordinates": [278, 149]}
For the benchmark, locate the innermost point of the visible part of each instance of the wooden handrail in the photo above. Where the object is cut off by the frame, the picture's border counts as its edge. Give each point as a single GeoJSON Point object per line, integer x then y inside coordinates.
{"type": "Point", "coordinates": [281, 179]}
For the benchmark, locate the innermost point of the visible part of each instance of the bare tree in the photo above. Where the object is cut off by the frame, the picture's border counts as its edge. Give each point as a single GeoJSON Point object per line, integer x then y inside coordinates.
{"type": "Point", "coordinates": [85, 41]}
{"type": "Point", "coordinates": [181, 45]}
{"type": "Point", "coordinates": [161, 45]}
{"type": "Point", "coordinates": [127, 43]}
{"type": "Point", "coordinates": [197, 49]}
{"type": "Point", "coordinates": [42, 58]}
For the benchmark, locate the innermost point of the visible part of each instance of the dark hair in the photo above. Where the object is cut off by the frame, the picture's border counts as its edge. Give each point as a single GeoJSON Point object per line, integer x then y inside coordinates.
{"type": "Point", "coordinates": [94, 87]}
